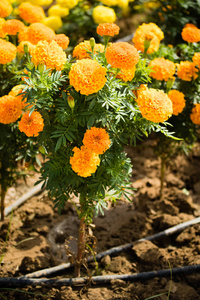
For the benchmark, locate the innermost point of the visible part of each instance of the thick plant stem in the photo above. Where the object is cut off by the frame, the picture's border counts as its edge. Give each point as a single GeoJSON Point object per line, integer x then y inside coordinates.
{"type": "Point", "coordinates": [81, 247]}
{"type": "Point", "coordinates": [162, 174]}
{"type": "Point", "coordinates": [3, 194]}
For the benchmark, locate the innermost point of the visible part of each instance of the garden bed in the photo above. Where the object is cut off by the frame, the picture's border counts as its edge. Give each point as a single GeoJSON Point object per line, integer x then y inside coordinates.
{"type": "Point", "coordinates": [39, 237]}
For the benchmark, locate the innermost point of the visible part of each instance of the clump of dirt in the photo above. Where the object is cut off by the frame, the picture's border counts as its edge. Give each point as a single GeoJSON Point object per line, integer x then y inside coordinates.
{"type": "Point", "coordinates": [41, 238]}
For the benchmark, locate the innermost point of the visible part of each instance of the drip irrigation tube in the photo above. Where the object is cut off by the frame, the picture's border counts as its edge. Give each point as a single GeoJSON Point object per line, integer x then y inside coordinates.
{"type": "Point", "coordinates": [22, 281]}
{"type": "Point", "coordinates": [115, 250]}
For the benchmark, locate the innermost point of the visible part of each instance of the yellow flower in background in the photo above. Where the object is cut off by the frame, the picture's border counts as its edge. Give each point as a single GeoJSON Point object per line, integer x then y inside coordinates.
{"type": "Point", "coordinates": [195, 114]}
{"type": "Point", "coordinates": [196, 59]}
{"type": "Point", "coordinates": [109, 2]}
{"type": "Point", "coordinates": [154, 105]}
{"type": "Point", "coordinates": [37, 2]}
{"type": "Point", "coordinates": [122, 55]}
{"type": "Point", "coordinates": [178, 101]}
{"type": "Point", "coordinates": [67, 3]}
{"type": "Point", "coordinates": [103, 14]}
{"type": "Point", "coordinates": [81, 50]}
{"type": "Point", "coordinates": [97, 140]}
{"type": "Point", "coordinates": [12, 27]}
{"type": "Point", "coordinates": [53, 22]}
{"type": "Point", "coordinates": [126, 74]}
{"type": "Point", "coordinates": [8, 52]}
{"type": "Point", "coordinates": [123, 3]}
{"type": "Point", "coordinates": [31, 13]}
{"type": "Point", "coordinates": [186, 71]}
{"type": "Point", "coordinates": [10, 109]}
{"type": "Point", "coordinates": [31, 125]}
{"type": "Point", "coordinates": [162, 69]}
{"type": "Point", "coordinates": [58, 10]}
{"type": "Point", "coordinates": [87, 76]}
{"type": "Point", "coordinates": [5, 8]}
{"type": "Point", "coordinates": [84, 162]}
{"type": "Point", "coordinates": [49, 54]}
{"type": "Point", "coordinates": [37, 32]}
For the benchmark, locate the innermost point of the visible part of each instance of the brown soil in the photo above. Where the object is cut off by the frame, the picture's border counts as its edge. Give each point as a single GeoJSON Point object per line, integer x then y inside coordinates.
{"type": "Point", "coordinates": [39, 237]}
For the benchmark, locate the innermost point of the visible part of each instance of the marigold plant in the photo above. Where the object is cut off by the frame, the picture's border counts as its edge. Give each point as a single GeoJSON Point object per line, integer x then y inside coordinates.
{"type": "Point", "coordinates": [187, 71]}
{"type": "Point", "coordinates": [39, 32]}
{"type": "Point", "coordinates": [162, 69]}
{"type": "Point", "coordinates": [10, 109]}
{"type": "Point", "coordinates": [84, 50]}
{"type": "Point", "coordinates": [178, 101]}
{"type": "Point", "coordinates": [12, 27]}
{"type": "Point", "coordinates": [195, 114]}
{"type": "Point", "coordinates": [32, 124]}
{"type": "Point", "coordinates": [31, 13]}
{"type": "Point", "coordinates": [103, 14]}
{"type": "Point", "coordinates": [8, 52]}
{"type": "Point", "coordinates": [196, 59]}
{"type": "Point", "coordinates": [109, 29]}
{"type": "Point", "coordinates": [97, 140]}
{"type": "Point", "coordinates": [191, 34]}
{"type": "Point", "coordinates": [5, 8]}
{"type": "Point", "coordinates": [122, 55]}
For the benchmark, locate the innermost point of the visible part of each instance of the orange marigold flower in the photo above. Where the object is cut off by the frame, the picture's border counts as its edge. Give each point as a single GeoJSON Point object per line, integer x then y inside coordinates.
{"type": "Point", "coordinates": [97, 140]}
{"type": "Point", "coordinates": [5, 8]}
{"type": "Point", "coordinates": [162, 69]}
{"type": "Point", "coordinates": [81, 50]}
{"type": "Point", "coordinates": [191, 34]}
{"type": "Point", "coordinates": [23, 35]}
{"type": "Point", "coordinates": [38, 32]}
{"type": "Point", "coordinates": [31, 13]}
{"type": "Point", "coordinates": [31, 125]}
{"type": "Point", "coordinates": [87, 76]}
{"type": "Point", "coordinates": [190, 25]}
{"type": "Point", "coordinates": [49, 54]}
{"type": "Point", "coordinates": [84, 162]}
{"type": "Point", "coordinates": [8, 52]}
{"type": "Point", "coordinates": [196, 59]}
{"type": "Point", "coordinates": [16, 90]}
{"type": "Point", "coordinates": [109, 29]}
{"type": "Point", "coordinates": [154, 105]}
{"type": "Point", "coordinates": [10, 109]}
{"type": "Point", "coordinates": [20, 47]}
{"type": "Point", "coordinates": [186, 71]}
{"type": "Point", "coordinates": [2, 33]}
{"type": "Point", "coordinates": [178, 101]}
{"type": "Point", "coordinates": [12, 27]}
{"type": "Point", "coordinates": [126, 74]}
{"type": "Point", "coordinates": [122, 55]}
{"type": "Point", "coordinates": [62, 40]}
{"type": "Point", "coordinates": [195, 114]}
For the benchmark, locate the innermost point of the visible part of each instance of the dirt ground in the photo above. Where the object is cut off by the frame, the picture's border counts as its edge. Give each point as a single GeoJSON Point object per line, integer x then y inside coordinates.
{"type": "Point", "coordinates": [39, 237]}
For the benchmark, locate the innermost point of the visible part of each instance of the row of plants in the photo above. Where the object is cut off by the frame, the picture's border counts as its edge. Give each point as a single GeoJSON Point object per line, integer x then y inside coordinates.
{"type": "Point", "coordinates": [80, 110]}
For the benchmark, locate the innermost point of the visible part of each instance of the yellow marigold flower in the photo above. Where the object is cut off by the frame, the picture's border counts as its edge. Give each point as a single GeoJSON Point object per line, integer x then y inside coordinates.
{"type": "Point", "coordinates": [154, 105]}
{"type": "Point", "coordinates": [2, 33]}
{"type": "Point", "coordinates": [97, 140]}
{"type": "Point", "coordinates": [62, 40]}
{"type": "Point", "coordinates": [103, 14]}
{"type": "Point", "coordinates": [162, 69]}
{"type": "Point", "coordinates": [31, 13]}
{"type": "Point", "coordinates": [10, 109]}
{"type": "Point", "coordinates": [54, 22]}
{"type": "Point", "coordinates": [178, 101]}
{"type": "Point", "coordinates": [126, 74]}
{"type": "Point", "coordinates": [41, 2]}
{"type": "Point", "coordinates": [5, 8]}
{"type": "Point", "coordinates": [87, 76]}
{"type": "Point", "coordinates": [20, 47]}
{"type": "Point", "coordinates": [123, 4]}
{"type": "Point", "coordinates": [12, 27]}
{"type": "Point", "coordinates": [195, 114]}
{"type": "Point", "coordinates": [109, 29]}
{"type": "Point", "coordinates": [196, 59]}
{"type": "Point", "coordinates": [191, 34]}
{"type": "Point", "coordinates": [57, 10]}
{"type": "Point", "coordinates": [23, 34]}
{"type": "Point", "coordinates": [49, 54]}
{"type": "Point", "coordinates": [122, 55]}
{"type": "Point", "coordinates": [67, 3]}
{"type": "Point", "coordinates": [16, 90]}
{"type": "Point", "coordinates": [109, 2]}
{"type": "Point", "coordinates": [38, 32]}
{"type": "Point", "coordinates": [84, 162]}
{"type": "Point", "coordinates": [8, 52]}
{"type": "Point", "coordinates": [31, 125]}
{"type": "Point", "coordinates": [186, 71]}
{"type": "Point", "coordinates": [80, 51]}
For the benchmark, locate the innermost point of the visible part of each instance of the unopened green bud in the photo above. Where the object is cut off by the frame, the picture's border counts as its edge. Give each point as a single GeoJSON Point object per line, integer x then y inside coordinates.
{"type": "Point", "coordinates": [92, 43]}
{"type": "Point", "coordinates": [170, 83]}
{"type": "Point", "coordinates": [40, 68]}
{"type": "Point", "coordinates": [25, 48]}
{"type": "Point", "coordinates": [71, 102]}
{"type": "Point", "coordinates": [147, 43]}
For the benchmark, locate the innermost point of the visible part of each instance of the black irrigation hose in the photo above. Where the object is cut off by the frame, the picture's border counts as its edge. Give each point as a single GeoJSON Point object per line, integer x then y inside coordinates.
{"type": "Point", "coordinates": [22, 281]}
{"type": "Point", "coordinates": [115, 250]}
